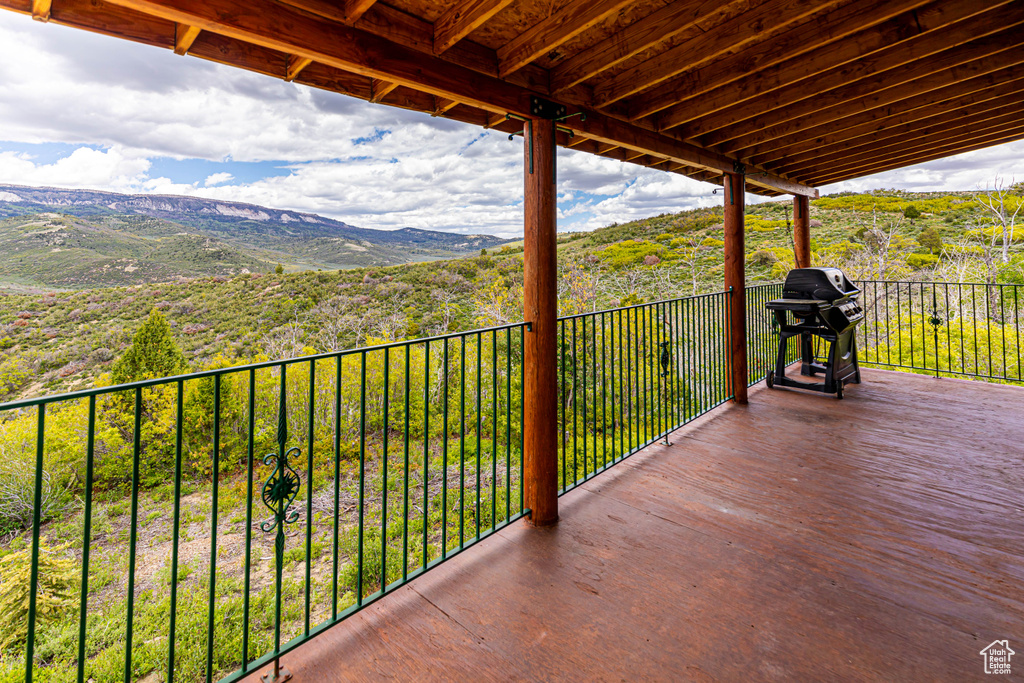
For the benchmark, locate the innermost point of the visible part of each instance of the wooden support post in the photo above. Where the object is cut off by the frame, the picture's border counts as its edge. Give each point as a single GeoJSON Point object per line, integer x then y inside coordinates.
{"type": "Point", "coordinates": [802, 231]}
{"type": "Point", "coordinates": [540, 304]}
{"type": "Point", "coordinates": [736, 280]}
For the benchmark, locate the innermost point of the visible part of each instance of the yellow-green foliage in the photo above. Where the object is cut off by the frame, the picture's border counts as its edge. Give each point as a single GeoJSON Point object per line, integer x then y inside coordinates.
{"type": "Point", "coordinates": [893, 203]}
{"type": "Point", "coordinates": [758, 224]}
{"type": "Point", "coordinates": [964, 345]}
{"type": "Point", "coordinates": [629, 252]}
{"type": "Point", "coordinates": [918, 261]}
{"type": "Point", "coordinates": [57, 593]}
{"type": "Point", "coordinates": [712, 242]}
{"type": "Point", "coordinates": [663, 237]}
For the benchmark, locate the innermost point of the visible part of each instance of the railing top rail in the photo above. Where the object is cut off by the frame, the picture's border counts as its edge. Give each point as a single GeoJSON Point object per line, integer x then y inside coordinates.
{"type": "Point", "coordinates": [941, 282]}
{"type": "Point", "coordinates": [144, 384]}
{"type": "Point", "coordinates": [647, 303]}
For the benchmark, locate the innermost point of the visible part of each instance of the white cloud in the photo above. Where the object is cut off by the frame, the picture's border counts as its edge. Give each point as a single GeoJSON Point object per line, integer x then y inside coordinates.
{"type": "Point", "coordinates": [218, 179]}
{"type": "Point", "coordinates": [368, 165]}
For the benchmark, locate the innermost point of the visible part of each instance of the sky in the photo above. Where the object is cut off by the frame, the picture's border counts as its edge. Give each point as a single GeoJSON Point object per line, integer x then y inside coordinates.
{"type": "Point", "coordinates": [80, 110]}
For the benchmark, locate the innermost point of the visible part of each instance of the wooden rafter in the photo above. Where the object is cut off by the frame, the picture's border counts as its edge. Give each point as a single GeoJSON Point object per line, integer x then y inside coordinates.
{"type": "Point", "coordinates": [576, 141]}
{"type": "Point", "coordinates": [441, 105]}
{"type": "Point", "coordinates": [345, 11]}
{"type": "Point", "coordinates": [952, 67]}
{"type": "Point", "coordinates": [184, 36]}
{"type": "Point", "coordinates": [462, 19]}
{"type": "Point", "coordinates": [896, 160]}
{"type": "Point", "coordinates": [982, 88]}
{"type": "Point", "coordinates": [295, 66]}
{"type": "Point", "coordinates": [748, 27]}
{"type": "Point", "coordinates": [41, 10]}
{"type": "Point", "coordinates": [855, 31]}
{"type": "Point", "coordinates": [381, 89]}
{"type": "Point", "coordinates": [920, 138]}
{"type": "Point", "coordinates": [545, 36]}
{"type": "Point", "coordinates": [940, 123]}
{"type": "Point", "coordinates": [644, 34]}
{"type": "Point", "coordinates": [899, 64]}
{"type": "Point", "coordinates": [279, 27]}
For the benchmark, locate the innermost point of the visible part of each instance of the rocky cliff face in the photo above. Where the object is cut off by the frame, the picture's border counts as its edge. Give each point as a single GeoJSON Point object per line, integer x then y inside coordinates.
{"type": "Point", "coordinates": [289, 232]}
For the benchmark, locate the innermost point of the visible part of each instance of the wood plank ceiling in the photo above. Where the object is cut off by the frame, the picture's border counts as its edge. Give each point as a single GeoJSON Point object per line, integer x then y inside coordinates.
{"type": "Point", "coordinates": [802, 93]}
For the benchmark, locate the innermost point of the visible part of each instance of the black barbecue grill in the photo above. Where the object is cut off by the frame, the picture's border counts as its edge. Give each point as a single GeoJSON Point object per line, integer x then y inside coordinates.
{"type": "Point", "coordinates": [822, 303]}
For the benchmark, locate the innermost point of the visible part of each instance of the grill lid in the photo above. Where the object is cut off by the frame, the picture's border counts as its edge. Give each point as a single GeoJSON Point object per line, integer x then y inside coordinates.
{"type": "Point", "coordinates": [828, 284]}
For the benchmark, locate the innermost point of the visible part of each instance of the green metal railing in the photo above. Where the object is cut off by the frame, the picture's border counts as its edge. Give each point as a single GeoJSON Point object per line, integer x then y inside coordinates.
{"type": "Point", "coordinates": [630, 376]}
{"type": "Point", "coordinates": [408, 452]}
{"type": "Point", "coordinates": [946, 329]}
{"type": "Point", "coordinates": [763, 334]}
{"type": "Point", "coordinates": [228, 516]}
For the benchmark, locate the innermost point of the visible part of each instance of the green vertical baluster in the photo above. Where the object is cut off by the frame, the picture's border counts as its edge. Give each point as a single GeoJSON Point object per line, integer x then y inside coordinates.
{"type": "Point", "coordinates": [250, 465]}
{"type": "Point", "coordinates": [405, 476]}
{"type": "Point", "coordinates": [213, 528]}
{"type": "Point", "coordinates": [278, 493]}
{"type": "Point", "coordinates": [508, 423]}
{"type": "Point", "coordinates": [179, 422]}
{"type": "Point", "coordinates": [136, 460]}
{"type": "Point", "coordinates": [86, 537]}
{"type": "Point", "coordinates": [522, 409]}
{"type": "Point", "coordinates": [337, 485]}
{"type": "Point", "coordinates": [479, 404]}
{"type": "Point", "coordinates": [494, 429]}
{"type": "Point", "coordinates": [426, 447]}
{"type": "Point", "coordinates": [563, 403]}
{"type": "Point", "coordinates": [36, 521]}
{"type": "Point", "coordinates": [462, 441]}
{"type": "Point", "coordinates": [310, 424]}
{"type": "Point", "coordinates": [575, 400]}
{"type": "Point", "coordinates": [583, 392]}
{"type": "Point", "coordinates": [444, 455]}
{"type": "Point", "coordinates": [444, 458]}
{"type": "Point", "coordinates": [362, 474]}
{"type": "Point", "coordinates": [384, 477]}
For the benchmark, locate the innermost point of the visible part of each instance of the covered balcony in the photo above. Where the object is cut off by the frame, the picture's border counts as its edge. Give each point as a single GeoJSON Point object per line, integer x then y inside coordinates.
{"type": "Point", "coordinates": [595, 496]}
{"type": "Point", "coordinates": [794, 538]}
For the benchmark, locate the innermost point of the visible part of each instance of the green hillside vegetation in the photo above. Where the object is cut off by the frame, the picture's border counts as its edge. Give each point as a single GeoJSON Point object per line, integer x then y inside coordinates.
{"type": "Point", "coordinates": [61, 340]}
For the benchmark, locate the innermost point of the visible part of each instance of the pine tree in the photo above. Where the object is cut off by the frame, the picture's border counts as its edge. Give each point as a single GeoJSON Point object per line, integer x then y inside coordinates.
{"type": "Point", "coordinates": [153, 353]}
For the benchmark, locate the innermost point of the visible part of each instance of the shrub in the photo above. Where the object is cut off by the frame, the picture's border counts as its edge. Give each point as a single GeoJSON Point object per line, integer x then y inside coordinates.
{"type": "Point", "coordinates": [918, 261]}
{"type": "Point", "coordinates": [55, 597]}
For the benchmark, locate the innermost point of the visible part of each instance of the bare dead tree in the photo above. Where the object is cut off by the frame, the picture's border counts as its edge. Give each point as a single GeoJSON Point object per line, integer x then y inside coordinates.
{"type": "Point", "coordinates": [998, 202]}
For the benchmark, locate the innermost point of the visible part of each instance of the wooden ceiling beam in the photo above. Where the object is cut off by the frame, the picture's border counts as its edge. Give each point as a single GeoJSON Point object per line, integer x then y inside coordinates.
{"type": "Point", "coordinates": [381, 89]}
{"type": "Point", "coordinates": [756, 24]}
{"type": "Point", "coordinates": [908, 133]}
{"type": "Point", "coordinates": [829, 176]}
{"type": "Point", "coordinates": [345, 11]}
{"type": "Point", "coordinates": [923, 139]}
{"type": "Point", "coordinates": [577, 141]}
{"type": "Point", "coordinates": [41, 10]}
{"type": "Point", "coordinates": [853, 35]}
{"type": "Point", "coordinates": [858, 79]}
{"type": "Point", "coordinates": [282, 28]}
{"type": "Point", "coordinates": [295, 66]}
{"type": "Point", "coordinates": [441, 105]}
{"type": "Point", "coordinates": [184, 36]}
{"type": "Point", "coordinates": [947, 69]}
{"type": "Point", "coordinates": [462, 19]}
{"type": "Point", "coordinates": [542, 38]}
{"type": "Point", "coordinates": [979, 89]}
{"type": "Point", "coordinates": [641, 35]}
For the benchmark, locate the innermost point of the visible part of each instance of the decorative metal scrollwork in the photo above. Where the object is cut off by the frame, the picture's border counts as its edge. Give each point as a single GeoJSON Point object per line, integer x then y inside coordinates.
{"type": "Point", "coordinates": [666, 358]}
{"type": "Point", "coordinates": [280, 490]}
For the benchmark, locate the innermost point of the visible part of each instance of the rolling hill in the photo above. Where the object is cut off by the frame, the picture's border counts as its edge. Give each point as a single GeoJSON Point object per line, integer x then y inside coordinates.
{"type": "Point", "coordinates": [84, 238]}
